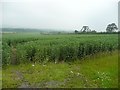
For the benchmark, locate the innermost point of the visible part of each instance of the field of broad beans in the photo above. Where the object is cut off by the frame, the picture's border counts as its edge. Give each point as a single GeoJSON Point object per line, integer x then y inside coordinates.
{"type": "Point", "coordinates": [30, 47]}
{"type": "Point", "coordinates": [33, 60]}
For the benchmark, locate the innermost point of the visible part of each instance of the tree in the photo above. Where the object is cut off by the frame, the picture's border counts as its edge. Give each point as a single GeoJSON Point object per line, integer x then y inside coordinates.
{"type": "Point", "coordinates": [93, 31]}
{"type": "Point", "coordinates": [76, 31]}
{"type": "Point", "coordinates": [111, 28]}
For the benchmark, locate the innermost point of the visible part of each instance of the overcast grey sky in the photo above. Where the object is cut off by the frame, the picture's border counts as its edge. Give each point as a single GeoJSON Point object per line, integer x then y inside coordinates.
{"type": "Point", "coordinates": [59, 14]}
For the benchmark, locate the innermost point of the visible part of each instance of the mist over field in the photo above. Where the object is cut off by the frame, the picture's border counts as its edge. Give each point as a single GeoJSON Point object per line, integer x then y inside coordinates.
{"type": "Point", "coordinates": [59, 14]}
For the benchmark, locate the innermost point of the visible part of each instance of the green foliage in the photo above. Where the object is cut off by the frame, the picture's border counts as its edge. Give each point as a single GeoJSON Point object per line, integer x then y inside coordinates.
{"type": "Point", "coordinates": [98, 71]}
{"type": "Point", "coordinates": [30, 53]}
{"type": "Point", "coordinates": [55, 48]}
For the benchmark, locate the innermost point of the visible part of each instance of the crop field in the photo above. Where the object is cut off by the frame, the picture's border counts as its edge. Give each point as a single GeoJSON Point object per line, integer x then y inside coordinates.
{"type": "Point", "coordinates": [20, 48]}
{"type": "Point", "coordinates": [33, 60]}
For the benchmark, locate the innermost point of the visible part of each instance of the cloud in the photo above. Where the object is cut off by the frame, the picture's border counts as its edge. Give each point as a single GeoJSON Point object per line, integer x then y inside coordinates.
{"type": "Point", "coordinates": [59, 14]}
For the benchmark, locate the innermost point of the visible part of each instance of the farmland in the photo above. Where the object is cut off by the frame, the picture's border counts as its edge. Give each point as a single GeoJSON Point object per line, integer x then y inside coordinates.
{"type": "Point", "coordinates": [87, 55]}
{"type": "Point", "coordinates": [20, 48]}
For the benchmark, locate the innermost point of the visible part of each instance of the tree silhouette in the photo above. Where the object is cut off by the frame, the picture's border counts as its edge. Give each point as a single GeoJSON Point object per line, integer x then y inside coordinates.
{"type": "Point", "coordinates": [76, 31]}
{"type": "Point", "coordinates": [111, 28]}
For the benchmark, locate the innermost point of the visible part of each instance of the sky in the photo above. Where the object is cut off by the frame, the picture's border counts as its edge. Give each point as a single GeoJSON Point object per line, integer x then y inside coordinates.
{"type": "Point", "coordinates": [119, 16]}
{"type": "Point", "coordinates": [67, 15]}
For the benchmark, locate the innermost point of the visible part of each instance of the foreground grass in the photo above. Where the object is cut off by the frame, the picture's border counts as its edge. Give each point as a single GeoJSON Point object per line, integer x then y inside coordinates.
{"type": "Point", "coordinates": [97, 72]}
{"type": "Point", "coordinates": [0, 78]}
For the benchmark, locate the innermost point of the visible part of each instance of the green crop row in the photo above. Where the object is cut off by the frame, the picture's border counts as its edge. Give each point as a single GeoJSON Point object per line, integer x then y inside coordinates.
{"type": "Point", "coordinates": [56, 48]}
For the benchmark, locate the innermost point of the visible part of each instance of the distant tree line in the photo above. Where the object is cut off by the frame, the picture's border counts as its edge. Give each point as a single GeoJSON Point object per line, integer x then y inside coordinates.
{"type": "Point", "coordinates": [111, 28]}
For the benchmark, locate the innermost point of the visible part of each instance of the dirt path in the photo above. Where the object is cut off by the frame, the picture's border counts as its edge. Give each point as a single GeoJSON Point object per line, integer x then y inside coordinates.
{"type": "Point", "coordinates": [25, 83]}
{"type": "Point", "coordinates": [53, 83]}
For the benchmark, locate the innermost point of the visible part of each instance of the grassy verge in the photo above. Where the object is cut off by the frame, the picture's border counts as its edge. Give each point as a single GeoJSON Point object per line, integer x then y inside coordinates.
{"type": "Point", "coordinates": [95, 72]}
